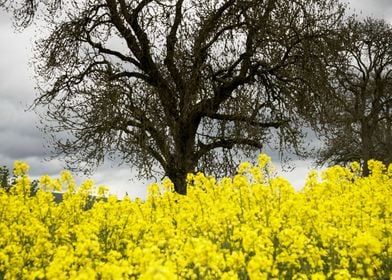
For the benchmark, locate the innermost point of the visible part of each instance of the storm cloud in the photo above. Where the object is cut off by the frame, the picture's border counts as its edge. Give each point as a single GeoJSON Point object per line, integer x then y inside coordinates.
{"type": "Point", "coordinates": [373, 8]}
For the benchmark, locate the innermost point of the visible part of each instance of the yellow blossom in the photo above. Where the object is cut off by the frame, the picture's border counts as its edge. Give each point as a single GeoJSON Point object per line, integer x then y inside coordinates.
{"type": "Point", "coordinates": [253, 225]}
{"type": "Point", "coordinates": [20, 168]}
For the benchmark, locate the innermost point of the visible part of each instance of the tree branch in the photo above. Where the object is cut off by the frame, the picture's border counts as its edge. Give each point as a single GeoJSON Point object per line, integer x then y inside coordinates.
{"type": "Point", "coordinates": [114, 53]}
{"type": "Point", "coordinates": [125, 32]}
{"type": "Point", "coordinates": [226, 144]}
{"type": "Point", "coordinates": [144, 124]}
{"type": "Point", "coordinates": [141, 49]}
{"type": "Point", "coordinates": [128, 74]}
{"type": "Point", "coordinates": [247, 120]}
{"type": "Point", "coordinates": [171, 41]}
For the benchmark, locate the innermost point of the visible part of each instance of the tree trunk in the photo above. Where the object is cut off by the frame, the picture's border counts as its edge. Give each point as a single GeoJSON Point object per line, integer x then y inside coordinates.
{"type": "Point", "coordinates": [182, 163]}
{"type": "Point", "coordinates": [179, 181]}
{"type": "Point", "coordinates": [365, 149]}
{"type": "Point", "coordinates": [183, 160]}
{"type": "Point", "coordinates": [178, 174]}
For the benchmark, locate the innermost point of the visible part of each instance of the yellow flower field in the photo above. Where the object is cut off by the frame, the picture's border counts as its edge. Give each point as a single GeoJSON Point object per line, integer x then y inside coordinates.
{"type": "Point", "coordinates": [251, 226]}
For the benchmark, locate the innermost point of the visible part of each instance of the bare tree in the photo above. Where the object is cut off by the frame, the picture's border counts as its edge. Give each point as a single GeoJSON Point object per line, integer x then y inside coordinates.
{"type": "Point", "coordinates": [357, 120]}
{"type": "Point", "coordinates": [24, 11]}
{"type": "Point", "coordinates": [185, 85]}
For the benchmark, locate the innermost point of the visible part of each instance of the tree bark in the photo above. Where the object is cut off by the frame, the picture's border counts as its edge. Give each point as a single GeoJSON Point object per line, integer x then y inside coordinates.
{"type": "Point", "coordinates": [183, 160]}
{"type": "Point", "coordinates": [179, 180]}
{"type": "Point", "coordinates": [366, 142]}
{"type": "Point", "coordinates": [182, 164]}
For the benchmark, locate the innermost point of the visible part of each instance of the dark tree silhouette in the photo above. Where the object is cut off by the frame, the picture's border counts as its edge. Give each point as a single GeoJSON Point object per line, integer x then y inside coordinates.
{"type": "Point", "coordinates": [358, 115]}
{"type": "Point", "coordinates": [185, 85]}
{"type": "Point", "coordinates": [24, 11]}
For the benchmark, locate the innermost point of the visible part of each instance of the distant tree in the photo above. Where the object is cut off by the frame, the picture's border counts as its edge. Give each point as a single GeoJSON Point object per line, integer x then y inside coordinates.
{"type": "Point", "coordinates": [5, 181]}
{"type": "Point", "coordinates": [357, 117]}
{"type": "Point", "coordinates": [185, 85]}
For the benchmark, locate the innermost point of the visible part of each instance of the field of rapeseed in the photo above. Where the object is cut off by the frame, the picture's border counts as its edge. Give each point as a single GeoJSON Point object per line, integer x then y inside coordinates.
{"type": "Point", "coordinates": [251, 226]}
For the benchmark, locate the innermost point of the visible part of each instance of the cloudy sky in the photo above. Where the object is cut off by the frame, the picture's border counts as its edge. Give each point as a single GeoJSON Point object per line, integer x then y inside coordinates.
{"type": "Point", "coordinates": [20, 139]}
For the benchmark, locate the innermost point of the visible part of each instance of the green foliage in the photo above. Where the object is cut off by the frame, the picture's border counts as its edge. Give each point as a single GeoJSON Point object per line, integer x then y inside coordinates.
{"type": "Point", "coordinates": [6, 181]}
{"type": "Point", "coordinates": [4, 178]}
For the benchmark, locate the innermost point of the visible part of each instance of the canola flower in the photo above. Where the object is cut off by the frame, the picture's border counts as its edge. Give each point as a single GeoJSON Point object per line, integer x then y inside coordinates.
{"type": "Point", "coordinates": [251, 226]}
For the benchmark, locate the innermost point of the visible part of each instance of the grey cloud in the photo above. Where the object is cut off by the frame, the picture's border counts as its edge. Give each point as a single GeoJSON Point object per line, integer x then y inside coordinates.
{"type": "Point", "coordinates": [14, 116]}
{"type": "Point", "coordinates": [118, 178]}
{"type": "Point", "coordinates": [19, 136]}
{"type": "Point", "coordinates": [4, 18]}
{"type": "Point", "coordinates": [39, 167]}
{"type": "Point", "coordinates": [17, 145]}
{"type": "Point", "coordinates": [373, 8]}
{"type": "Point", "coordinates": [16, 83]}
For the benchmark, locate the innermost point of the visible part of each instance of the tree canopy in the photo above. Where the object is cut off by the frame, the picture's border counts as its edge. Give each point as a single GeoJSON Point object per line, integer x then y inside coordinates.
{"type": "Point", "coordinates": [24, 11]}
{"type": "Point", "coordinates": [181, 85]}
{"type": "Point", "coordinates": [357, 117]}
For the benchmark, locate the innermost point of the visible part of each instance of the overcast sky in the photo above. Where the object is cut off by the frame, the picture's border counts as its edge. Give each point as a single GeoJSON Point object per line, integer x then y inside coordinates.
{"type": "Point", "coordinates": [20, 139]}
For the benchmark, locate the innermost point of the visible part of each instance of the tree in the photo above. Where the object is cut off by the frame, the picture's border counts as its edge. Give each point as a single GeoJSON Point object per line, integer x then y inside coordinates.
{"type": "Point", "coordinates": [24, 11]}
{"type": "Point", "coordinates": [184, 85]}
{"type": "Point", "coordinates": [5, 178]}
{"type": "Point", "coordinates": [7, 181]}
{"type": "Point", "coordinates": [357, 121]}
